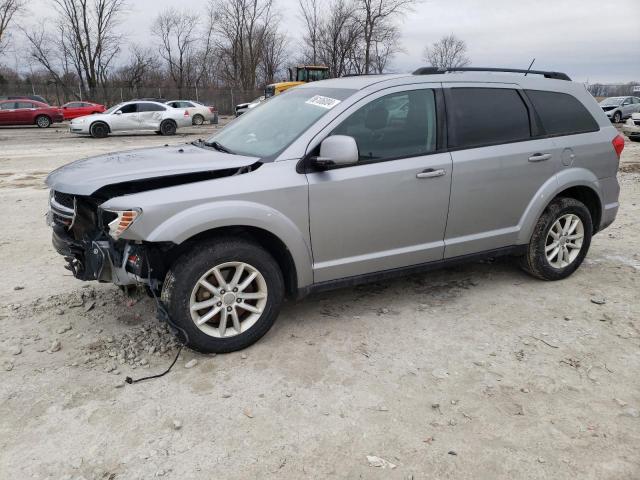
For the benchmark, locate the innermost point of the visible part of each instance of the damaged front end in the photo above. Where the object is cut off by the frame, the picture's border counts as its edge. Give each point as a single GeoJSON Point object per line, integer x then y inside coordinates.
{"type": "Point", "coordinates": [87, 236]}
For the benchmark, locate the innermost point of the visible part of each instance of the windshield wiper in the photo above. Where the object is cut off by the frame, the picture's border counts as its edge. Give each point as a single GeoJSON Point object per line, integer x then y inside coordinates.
{"type": "Point", "coordinates": [218, 146]}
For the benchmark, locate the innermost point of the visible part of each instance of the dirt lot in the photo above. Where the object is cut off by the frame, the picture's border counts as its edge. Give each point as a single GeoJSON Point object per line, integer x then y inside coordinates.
{"type": "Point", "coordinates": [469, 373]}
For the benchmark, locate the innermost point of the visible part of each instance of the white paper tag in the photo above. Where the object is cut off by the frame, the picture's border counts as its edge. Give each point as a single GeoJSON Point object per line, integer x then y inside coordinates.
{"type": "Point", "coordinates": [324, 102]}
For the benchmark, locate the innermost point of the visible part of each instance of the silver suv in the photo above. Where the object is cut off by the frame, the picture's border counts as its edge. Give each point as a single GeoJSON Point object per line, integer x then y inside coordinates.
{"type": "Point", "coordinates": [340, 182]}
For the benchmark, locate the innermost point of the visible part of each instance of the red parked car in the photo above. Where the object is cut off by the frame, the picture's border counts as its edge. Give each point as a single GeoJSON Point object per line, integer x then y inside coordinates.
{"type": "Point", "coordinates": [28, 112]}
{"type": "Point", "coordinates": [73, 110]}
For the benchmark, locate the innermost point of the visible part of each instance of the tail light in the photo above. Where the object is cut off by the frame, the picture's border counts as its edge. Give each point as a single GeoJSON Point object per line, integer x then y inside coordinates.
{"type": "Point", "coordinates": [213, 109]}
{"type": "Point", "coordinates": [618, 145]}
{"type": "Point", "coordinates": [186, 113]}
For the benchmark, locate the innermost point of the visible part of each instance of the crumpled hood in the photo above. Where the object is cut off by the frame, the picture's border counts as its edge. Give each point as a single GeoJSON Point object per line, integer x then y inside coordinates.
{"type": "Point", "coordinates": [83, 177]}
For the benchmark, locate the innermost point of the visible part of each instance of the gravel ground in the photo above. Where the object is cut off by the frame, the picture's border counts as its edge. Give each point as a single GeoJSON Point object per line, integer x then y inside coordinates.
{"type": "Point", "coordinates": [477, 371]}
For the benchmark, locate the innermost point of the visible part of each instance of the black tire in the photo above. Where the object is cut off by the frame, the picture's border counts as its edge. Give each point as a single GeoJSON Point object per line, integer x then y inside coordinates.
{"type": "Point", "coordinates": [42, 121]}
{"type": "Point", "coordinates": [197, 119]}
{"type": "Point", "coordinates": [168, 127]}
{"type": "Point", "coordinates": [617, 117]}
{"type": "Point", "coordinates": [190, 267]}
{"type": "Point", "coordinates": [99, 130]}
{"type": "Point", "coordinates": [535, 261]}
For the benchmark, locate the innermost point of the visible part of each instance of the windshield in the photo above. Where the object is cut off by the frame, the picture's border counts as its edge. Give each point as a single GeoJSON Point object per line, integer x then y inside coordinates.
{"type": "Point", "coordinates": [266, 131]}
{"type": "Point", "coordinates": [613, 101]}
{"type": "Point", "coordinates": [114, 108]}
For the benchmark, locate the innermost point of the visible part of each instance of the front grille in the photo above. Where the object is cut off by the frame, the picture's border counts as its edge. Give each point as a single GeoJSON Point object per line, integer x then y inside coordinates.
{"type": "Point", "coordinates": [62, 208]}
{"type": "Point", "coordinates": [63, 199]}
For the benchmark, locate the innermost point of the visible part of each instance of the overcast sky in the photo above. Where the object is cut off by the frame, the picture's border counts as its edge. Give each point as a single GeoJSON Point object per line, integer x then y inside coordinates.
{"type": "Point", "coordinates": [591, 40]}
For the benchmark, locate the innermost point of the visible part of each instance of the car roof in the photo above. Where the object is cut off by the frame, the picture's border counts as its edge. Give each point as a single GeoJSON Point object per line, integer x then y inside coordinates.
{"type": "Point", "coordinates": [360, 82]}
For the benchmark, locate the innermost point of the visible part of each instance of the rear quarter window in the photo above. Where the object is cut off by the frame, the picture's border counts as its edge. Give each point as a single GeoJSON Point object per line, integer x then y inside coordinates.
{"type": "Point", "coordinates": [561, 113]}
{"type": "Point", "coordinates": [486, 116]}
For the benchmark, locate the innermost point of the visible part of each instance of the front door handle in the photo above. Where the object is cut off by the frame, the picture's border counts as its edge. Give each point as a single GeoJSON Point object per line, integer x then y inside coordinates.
{"type": "Point", "coordinates": [431, 173]}
{"type": "Point", "coordinates": [539, 157]}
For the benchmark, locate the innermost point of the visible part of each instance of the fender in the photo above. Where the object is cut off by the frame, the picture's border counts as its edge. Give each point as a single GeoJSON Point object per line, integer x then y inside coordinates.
{"type": "Point", "coordinates": [188, 223]}
{"type": "Point", "coordinates": [572, 177]}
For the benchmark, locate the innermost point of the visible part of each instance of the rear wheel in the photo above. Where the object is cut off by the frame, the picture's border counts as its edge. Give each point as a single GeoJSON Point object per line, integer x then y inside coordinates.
{"type": "Point", "coordinates": [617, 117]}
{"type": "Point", "coordinates": [224, 295]}
{"type": "Point", "coordinates": [168, 127]}
{"type": "Point", "coordinates": [560, 240]}
{"type": "Point", "coordinates": [43, 121]}
{"type": "Point", "coordinates": [99, 130]}
{"type": "Point", "coordinates": [198, 119]}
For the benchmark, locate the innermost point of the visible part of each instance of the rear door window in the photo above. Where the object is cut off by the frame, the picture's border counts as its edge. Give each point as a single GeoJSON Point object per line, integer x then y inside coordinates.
{"type": "Point", "coordinates": [150, 107]}
{"type": "Point", "coordinates": [486, 116]}
{"type": "Point", "coordinates": [561, 113]}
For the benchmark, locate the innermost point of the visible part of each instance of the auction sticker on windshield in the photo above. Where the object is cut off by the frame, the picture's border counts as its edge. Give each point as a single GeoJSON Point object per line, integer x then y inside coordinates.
{"type": "Point", "coordinates": [324, 102]}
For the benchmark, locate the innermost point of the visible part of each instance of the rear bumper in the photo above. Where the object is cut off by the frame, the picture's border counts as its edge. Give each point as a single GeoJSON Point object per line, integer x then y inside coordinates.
{"type": "Point", "coordinates": [610, 189]}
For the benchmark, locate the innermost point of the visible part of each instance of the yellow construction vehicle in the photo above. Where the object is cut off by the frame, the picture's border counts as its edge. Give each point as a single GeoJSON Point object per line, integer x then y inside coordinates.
{"type": "Point", "coordinates": [304, 74]}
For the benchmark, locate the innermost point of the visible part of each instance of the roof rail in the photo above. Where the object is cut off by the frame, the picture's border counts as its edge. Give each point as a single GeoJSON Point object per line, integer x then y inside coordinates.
{"type": "Point", "coordinates": [438, 70]}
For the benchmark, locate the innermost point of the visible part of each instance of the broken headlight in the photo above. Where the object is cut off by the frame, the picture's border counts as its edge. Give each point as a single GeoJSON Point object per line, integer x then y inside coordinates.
{"type": "Point", "coordinates": [124, 219]}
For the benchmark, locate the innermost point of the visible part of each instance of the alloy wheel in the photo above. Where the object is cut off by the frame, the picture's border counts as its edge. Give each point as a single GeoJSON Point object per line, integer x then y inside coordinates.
{"type": "Point", "coordinates": [228, 299]}
{"type": "Point", "coordinates": [564, 241]}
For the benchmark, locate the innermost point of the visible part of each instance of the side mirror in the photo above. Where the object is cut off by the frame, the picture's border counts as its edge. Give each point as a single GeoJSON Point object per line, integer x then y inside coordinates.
{"type": "Point", "coordinates": [337, 150]}
{"type": "Point", "coordinates": [119, 112]}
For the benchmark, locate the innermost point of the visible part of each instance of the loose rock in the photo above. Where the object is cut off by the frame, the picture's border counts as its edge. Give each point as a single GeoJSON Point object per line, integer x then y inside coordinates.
{"type": "Point", "coordinates": [599, 300]}
{"type": "Point", "coordinates": [15, 350]}
{"type": "Point", "coordinates": [379, 462]}
{"type": "Point", "coordinates": [63, 329]}
{"type": "Point", "coordinates": [177, 424]}
{"type": "Point", "coordinates": [55, 346]}
{"type": "Point", "coordinates": [191, 363]}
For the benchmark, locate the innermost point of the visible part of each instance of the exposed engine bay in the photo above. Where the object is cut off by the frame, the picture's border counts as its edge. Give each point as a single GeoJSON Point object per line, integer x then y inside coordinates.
{"type": "Point", "coordinates": [86, 235]}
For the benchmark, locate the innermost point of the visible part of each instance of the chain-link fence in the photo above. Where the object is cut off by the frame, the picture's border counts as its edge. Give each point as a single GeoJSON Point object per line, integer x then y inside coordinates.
{"type": "Point", "coordinates": [224, 99]}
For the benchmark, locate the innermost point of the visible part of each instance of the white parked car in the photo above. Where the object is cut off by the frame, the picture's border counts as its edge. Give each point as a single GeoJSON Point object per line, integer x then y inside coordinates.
{"type": "Point", "coordinates": [245, 107]}
{"type": "Point", "coordinates": [133, 116]}
{"type": "Point", "coordinates": [199, 113]}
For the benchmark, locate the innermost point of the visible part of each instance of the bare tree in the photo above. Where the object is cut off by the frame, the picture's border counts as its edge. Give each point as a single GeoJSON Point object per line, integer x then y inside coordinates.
{"type": "Point", "coordinates": [373, 14]}
{"type": "Point", "coordinates": [310, 13]}
{"type": "Point", "coordinates": [178, 35]}
{"type": "Point", "coordinates": [142, 65]}
{"type": "Point", "coordinates": [9, 9]}
{"type": "Point", "coordinates": [274, 56]}
{"type": "Point", "coordinates": [85, 41]}
{"type": "Point", "coordinates": [448, 52]}
{"type": "Point", "coordinates": [242, 27]}
{"type": "Point", "coordinates": [339, 35]}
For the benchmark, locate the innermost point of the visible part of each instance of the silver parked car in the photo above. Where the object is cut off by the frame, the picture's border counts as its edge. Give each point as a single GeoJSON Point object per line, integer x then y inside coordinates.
{"type": "Point", "coordinates": [340, 182]}
{"type": "Point", "coordinates": [134, 116]}
{"type": "Point", "coordinates": [632, 127]}
{"type": "Point", "coordinates": [199, 113]}
{"type": "Point", "coordinates": [620, 108]}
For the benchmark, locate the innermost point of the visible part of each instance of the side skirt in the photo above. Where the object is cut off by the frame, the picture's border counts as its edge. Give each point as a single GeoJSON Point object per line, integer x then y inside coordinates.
{"type": "Point", "coordinates": [515, 250]}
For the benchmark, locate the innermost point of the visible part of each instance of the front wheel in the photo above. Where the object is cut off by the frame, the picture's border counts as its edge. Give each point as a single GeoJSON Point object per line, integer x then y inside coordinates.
{"type": "Point", "coordinates": [99, 130]}
{"type": "Point", "coordinates": [224, 295]}
{"type": "Point", "coordinates": [560, 240]}
{"type": "Point", "coordinates": [168, 128]}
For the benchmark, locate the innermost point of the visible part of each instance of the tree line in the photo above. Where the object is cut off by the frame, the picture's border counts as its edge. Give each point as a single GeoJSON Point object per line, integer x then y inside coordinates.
{"type": "Point", "coordinates": [238, 44]}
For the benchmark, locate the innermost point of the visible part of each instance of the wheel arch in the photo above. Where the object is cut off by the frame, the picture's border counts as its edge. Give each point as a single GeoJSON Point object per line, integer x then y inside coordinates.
{"type": "Point", "coordinates": [268, 226]}
{"type": "Point", "coordinates": [35, 119]}
{"type": "Point", "coordinates": [267, 240]}
{"type": "Point", "coordinates": [578, 183]}
{"type": "Point", "coordinates": [100, 121]}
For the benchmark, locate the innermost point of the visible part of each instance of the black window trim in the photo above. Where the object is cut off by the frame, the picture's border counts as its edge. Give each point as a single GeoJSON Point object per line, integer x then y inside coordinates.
{"type": "Point", "coordinates": [534, 122]}
{"type": "Point", "coordinates": [304, 165]}
{"type": "Point", "coordinates": [566, 134]}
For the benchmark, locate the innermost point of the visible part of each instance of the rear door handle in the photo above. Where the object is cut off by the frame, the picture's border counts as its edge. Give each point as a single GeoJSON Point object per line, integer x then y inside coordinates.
{"type": "Point", "coordinates": [539, 157]}
{"type": "Point", "coordinates": [431, 173]}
